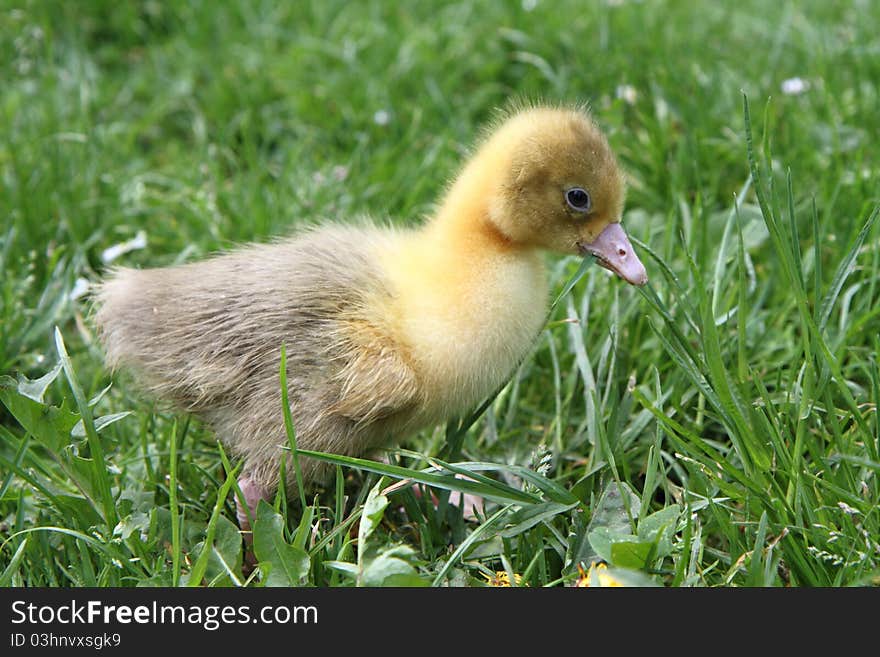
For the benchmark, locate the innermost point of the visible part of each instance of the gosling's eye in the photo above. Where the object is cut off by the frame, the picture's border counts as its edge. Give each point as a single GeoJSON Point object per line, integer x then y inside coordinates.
{"type": "Point", "coordinates": [578, 199]}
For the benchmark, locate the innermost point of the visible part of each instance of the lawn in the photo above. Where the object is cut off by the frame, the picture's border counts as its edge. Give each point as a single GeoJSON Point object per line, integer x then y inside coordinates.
{"type": "Point", "coordinates": [716, 428]}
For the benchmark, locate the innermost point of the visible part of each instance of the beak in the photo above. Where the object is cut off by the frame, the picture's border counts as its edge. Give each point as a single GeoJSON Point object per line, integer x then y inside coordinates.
{"type": "Point", "coordinates": [614, 252]}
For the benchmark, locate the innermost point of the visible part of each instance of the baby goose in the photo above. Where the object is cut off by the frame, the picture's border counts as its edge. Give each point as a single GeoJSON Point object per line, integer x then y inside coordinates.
{"type": "Point", "coordinates": [387, 330]}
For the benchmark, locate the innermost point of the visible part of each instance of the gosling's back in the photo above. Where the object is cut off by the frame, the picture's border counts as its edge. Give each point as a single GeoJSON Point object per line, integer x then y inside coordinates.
{"type": "Point", "coordinates": [207, 337]}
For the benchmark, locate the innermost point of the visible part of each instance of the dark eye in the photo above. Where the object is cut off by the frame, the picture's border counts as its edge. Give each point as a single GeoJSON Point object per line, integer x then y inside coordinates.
{"type": "Point", "coordinates": [578, 199]}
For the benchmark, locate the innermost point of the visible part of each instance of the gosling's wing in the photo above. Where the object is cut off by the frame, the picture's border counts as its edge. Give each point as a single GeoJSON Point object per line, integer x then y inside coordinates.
{"type": "Point", "coordinates": [205, 334]}
{"type": "Point", "coordinates": [376, 382]}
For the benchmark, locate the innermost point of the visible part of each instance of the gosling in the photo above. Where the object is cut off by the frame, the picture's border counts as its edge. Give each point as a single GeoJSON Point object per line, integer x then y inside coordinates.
{"type": "Point", "coordinates": [387, 330]}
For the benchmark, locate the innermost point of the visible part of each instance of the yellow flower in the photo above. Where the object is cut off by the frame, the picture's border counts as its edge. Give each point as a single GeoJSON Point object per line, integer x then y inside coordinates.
{"type": "Point", "coordinates": [501, 578]}
{"type": "Point", "coordinates": [598, 576]}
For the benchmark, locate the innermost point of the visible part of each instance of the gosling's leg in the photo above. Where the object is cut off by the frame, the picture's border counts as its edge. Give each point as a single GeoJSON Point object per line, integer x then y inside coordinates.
{"type": "Point", "coordinates": [252, 492]}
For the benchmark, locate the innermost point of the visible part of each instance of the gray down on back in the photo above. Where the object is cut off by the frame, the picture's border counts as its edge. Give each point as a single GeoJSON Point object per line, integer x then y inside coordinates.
{"type": "Point", "coordinates": [207, 337]}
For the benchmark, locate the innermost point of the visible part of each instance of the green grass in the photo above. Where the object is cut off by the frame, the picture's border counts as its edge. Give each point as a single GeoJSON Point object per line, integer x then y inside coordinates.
{"type": "Point", "coordinates": [718, 427]}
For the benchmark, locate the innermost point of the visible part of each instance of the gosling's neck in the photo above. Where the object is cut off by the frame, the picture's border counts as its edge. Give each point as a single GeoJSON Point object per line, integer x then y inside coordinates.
{"type": "Point", "coordinates": [464, 219]}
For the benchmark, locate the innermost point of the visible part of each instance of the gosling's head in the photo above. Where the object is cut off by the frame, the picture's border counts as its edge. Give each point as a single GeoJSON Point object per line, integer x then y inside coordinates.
{"type": "Point", "coordinates": [554, 184]}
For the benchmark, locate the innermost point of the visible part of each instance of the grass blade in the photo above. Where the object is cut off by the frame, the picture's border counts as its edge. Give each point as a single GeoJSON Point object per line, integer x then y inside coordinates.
{"type": "Point", "coordinates": [101, 478]}
{"type": "Point", "coordinates": [289, 428]}
{"type": "Point", "coordinates": [497, 492]}
{"type": "Point", "coordinates": [844, 269]}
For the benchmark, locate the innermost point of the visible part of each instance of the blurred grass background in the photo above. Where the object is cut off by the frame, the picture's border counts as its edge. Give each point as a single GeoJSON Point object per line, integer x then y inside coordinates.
{"type": "Point", "coordinates": [736, 397]}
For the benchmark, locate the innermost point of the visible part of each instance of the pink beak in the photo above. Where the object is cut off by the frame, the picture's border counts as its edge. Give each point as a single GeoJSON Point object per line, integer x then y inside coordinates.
{"type": "Point", "coordinates": [614, 252]}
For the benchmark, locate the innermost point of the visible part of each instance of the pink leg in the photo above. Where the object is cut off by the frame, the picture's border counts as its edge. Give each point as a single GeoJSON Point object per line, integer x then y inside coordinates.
{"type": "Point", "coordinates": [471, 505]}
{"type": "Point", "coordinates": [253, 493]}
